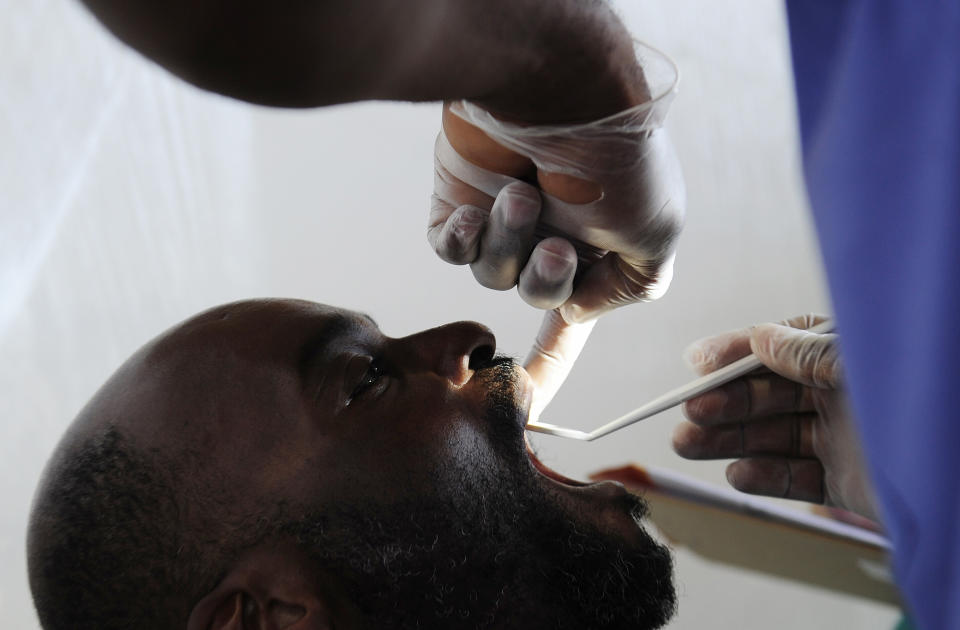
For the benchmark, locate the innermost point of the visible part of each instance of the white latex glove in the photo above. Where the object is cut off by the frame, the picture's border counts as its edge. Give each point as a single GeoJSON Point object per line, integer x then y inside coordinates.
{"type": "Point", "coordinates": [552, 356]}
{"type": "Point", "coordinates": [789, 427]}
{"type": "Point", "coordinates": [612, 202]}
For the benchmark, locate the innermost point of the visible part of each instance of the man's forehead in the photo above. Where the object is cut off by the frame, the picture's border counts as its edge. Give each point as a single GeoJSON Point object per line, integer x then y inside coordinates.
{"type": "Point", "coordinates": [266, 309]}
{"type": "Point", "coordinates": [252, 331]}
{"type": "Point", "coordinates": [236, 352]}
{"type": "Point", "coordinates": [258, 318]}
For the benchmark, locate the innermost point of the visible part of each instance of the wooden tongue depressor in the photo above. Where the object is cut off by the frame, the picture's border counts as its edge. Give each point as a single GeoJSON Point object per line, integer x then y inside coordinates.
{"type": "Point", "coordinates": [671, 399]}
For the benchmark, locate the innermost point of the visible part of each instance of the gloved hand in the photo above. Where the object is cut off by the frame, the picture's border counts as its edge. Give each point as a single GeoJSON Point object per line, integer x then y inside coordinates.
{"type": "Point", "coordinates": [552, 356]}
{"type": "Point", "coordinates": [789, 427]}
{"type": "Point", "coordinates": [599, 228]}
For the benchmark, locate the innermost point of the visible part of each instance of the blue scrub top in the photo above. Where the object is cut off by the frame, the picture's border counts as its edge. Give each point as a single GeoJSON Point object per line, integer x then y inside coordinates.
{"type": "Point", "coordinates": [878, 89]}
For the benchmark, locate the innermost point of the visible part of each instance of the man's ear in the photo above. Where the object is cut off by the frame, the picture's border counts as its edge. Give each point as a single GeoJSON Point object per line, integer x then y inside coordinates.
{"type": "Point", "coordinates": [271, 589]}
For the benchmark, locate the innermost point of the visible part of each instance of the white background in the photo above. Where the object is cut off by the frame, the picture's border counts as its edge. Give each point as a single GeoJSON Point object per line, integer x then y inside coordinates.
{"type": "Point", "coordinates": [129, 201]}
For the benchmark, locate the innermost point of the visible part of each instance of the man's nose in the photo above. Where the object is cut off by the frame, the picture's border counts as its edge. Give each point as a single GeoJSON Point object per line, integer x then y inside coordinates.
{"type": "Point", "coordinates": [452, 350]}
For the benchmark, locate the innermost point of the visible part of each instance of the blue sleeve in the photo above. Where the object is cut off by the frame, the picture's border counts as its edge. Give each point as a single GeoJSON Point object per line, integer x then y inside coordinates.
{"type": "Point", "coordinates": [878, 89]}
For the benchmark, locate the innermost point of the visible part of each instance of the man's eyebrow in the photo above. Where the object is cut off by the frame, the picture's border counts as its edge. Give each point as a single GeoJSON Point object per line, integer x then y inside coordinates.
{"type": "Point", "coordinates": [371, 320]}
{"type": "Point", "coordinates": [316, 342]}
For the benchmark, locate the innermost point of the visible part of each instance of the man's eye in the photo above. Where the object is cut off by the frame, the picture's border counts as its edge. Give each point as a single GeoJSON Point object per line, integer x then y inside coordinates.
{"type": "Point", "coordinates": [370, 377]}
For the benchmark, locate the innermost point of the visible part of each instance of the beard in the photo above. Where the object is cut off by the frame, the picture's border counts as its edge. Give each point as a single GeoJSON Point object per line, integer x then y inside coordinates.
{"type": "Point", "coordinates": [488, 547]}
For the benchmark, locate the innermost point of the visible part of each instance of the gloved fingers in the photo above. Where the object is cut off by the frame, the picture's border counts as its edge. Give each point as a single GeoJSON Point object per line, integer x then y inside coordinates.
{"type": "Point", "coordinates": [749, 398]}
{"type": "Point", "coordinates": [712, 353]}
{"type": "Point", "coordinates": [458, 215]}
{"type": "Point", "coordinates": [508, 237]}
{"type": "Point", "coordinates": [799, 355]}
{"type": "Point", "coordinates": [803, 322]}
{"type": "Point", "coordinates": [614, 281]}
{"type": "Point", "coordinates": [455, 234]}
{"type": "Point", "coordinates": [455, 191]}
{"type": "Point", "coordinates": [547, 279]}
{"type": "Point", "coordinates": [783, 477]}
{"type": "Point", "coordinates": [787, 435]}
{"type": "Point", "coordinates": [554, 351]}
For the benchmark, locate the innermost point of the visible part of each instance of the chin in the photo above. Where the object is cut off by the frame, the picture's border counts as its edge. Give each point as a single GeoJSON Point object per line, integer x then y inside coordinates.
{"type": "Point", "coordinates": [631, 578]}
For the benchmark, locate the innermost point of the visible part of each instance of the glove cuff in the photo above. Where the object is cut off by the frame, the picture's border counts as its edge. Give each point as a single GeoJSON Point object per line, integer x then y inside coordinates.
{"type": "Point", "coordinates": [662, 76]}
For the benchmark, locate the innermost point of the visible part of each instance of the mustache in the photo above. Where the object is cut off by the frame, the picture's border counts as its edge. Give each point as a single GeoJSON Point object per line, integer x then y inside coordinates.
{"type": "Point", "coordinates": [499, 376]}
{"type": "Point", "coordinates": [494, 361]}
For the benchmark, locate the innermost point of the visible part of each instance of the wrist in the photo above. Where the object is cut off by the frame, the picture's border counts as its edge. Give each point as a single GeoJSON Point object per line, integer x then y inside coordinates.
{"type": "Point", "coordinates": [582, 66]}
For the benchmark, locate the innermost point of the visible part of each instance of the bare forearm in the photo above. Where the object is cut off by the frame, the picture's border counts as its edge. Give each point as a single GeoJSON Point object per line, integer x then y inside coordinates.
{"type": "Point", "coordinates": [512, 55]}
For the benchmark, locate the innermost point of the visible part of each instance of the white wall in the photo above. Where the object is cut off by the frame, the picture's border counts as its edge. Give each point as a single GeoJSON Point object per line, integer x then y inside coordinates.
{"type": "Point", "coordinates": [152, 201]}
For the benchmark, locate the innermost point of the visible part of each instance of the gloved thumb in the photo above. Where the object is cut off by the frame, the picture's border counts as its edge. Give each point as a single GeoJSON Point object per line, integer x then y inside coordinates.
{"type": "Point", "coordinates": [799, 355]}
{"type": "Point", "coordinates": [555, 350]}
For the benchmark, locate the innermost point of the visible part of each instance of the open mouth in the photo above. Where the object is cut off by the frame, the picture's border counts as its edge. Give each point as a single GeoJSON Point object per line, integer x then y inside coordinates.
{"type": "Point", "coordinates": [548, 472]}
{"type": "Point", "coordinates": [544, 470]}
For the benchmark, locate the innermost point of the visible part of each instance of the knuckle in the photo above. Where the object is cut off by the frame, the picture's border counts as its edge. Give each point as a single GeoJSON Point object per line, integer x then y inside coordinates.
{"type": "Point", "coordinates": [828, 370]}
{"type": "Point", "coordinates": [638, 279]}
{"type": "Point", "coordinates": [701, 356]}
{"type": "Point", "coordinates": [499, 249]}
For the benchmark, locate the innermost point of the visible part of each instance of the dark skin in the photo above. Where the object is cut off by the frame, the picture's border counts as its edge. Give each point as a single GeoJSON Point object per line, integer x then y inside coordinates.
{"type": "Point", "coordinates": [562, 61]}
{"type": "Point", "coordinates": [295, 402]}
{"type": "Point", "coordinates": [542, 63]}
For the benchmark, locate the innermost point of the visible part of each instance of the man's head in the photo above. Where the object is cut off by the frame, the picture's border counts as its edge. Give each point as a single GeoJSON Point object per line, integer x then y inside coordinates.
{"type": "Point", "coordinates": [282, 464]}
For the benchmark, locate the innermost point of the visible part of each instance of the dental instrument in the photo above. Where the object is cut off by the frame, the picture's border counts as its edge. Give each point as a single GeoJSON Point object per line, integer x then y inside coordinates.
{"type": "Point", "coordinates": [669, 400]}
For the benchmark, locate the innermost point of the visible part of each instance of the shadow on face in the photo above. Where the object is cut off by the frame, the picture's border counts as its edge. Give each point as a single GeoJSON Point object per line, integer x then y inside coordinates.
{"type": "Point", "coordinates": [279, 463]}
